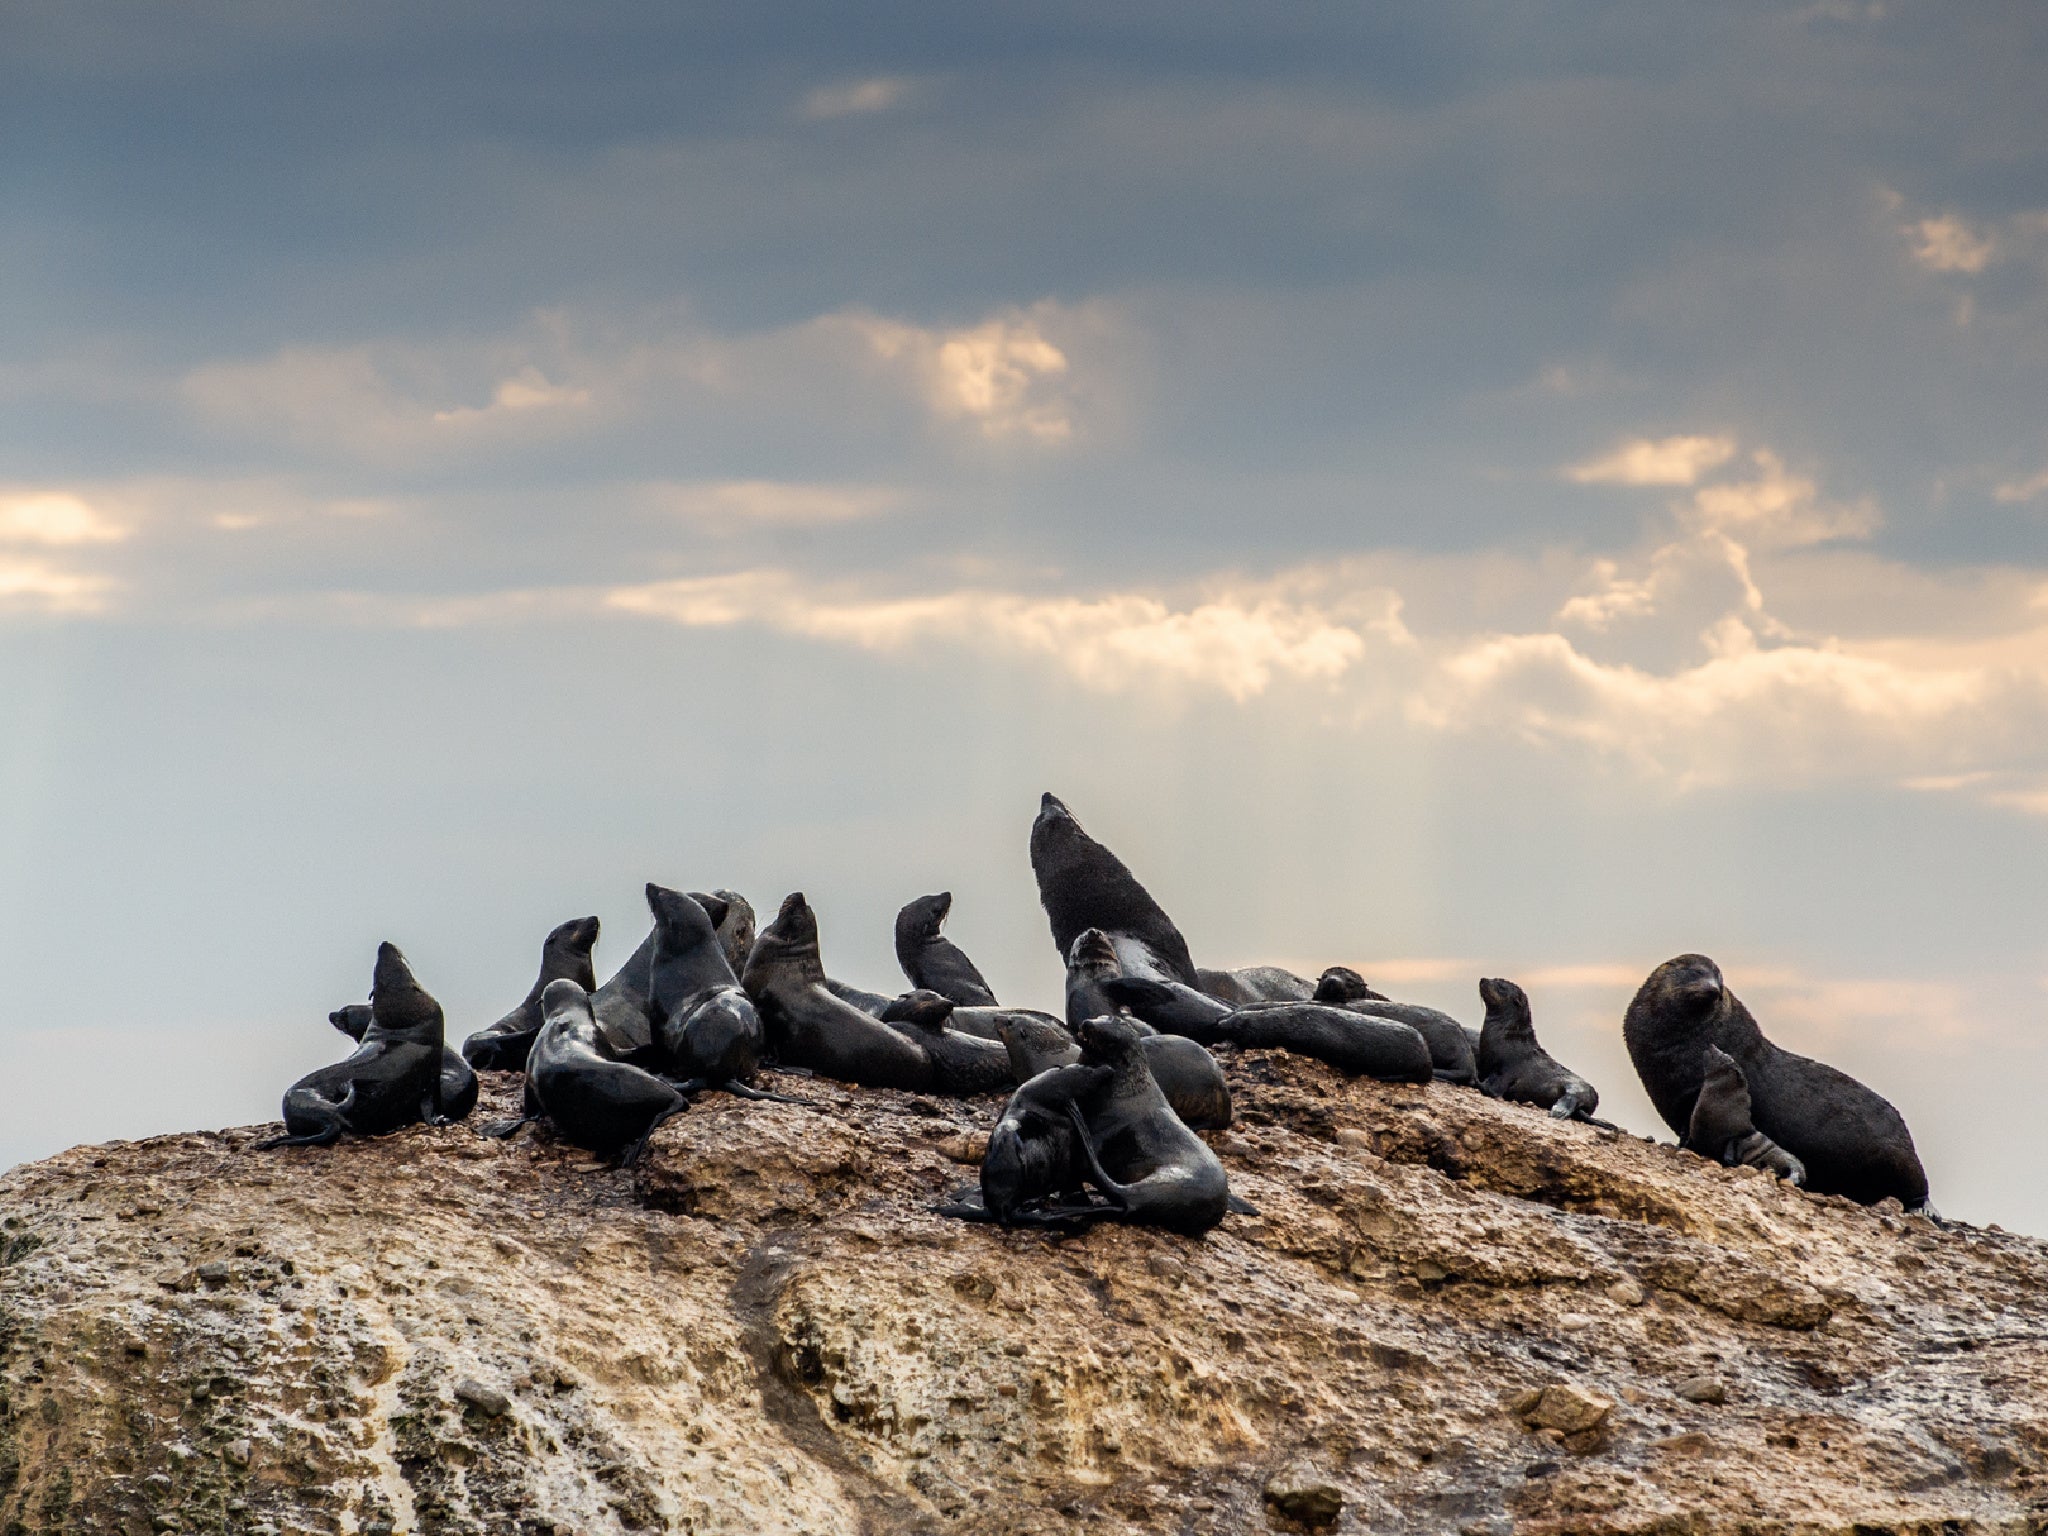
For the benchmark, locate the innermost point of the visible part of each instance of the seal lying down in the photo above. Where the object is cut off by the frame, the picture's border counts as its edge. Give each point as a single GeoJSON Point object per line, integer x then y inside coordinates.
{"type": "Point", "coordinates": [1101, 1121]}
{"type": "Point", "coordinates": [392, 1080]}
{"type": "Point", "coordinates": [1351, 1042]}
{"type": "Point", "coordinates": [1186, 1073]}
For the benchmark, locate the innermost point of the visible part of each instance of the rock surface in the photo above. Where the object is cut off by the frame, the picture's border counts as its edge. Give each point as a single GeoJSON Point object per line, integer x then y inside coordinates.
{"type": "Point", "coordinates": [1451, 1315]}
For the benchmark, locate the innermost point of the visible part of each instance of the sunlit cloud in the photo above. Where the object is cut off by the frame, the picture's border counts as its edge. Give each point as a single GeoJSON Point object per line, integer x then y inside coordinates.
{"type": "Point", "coordinates": [524, 392]}
{"type": "Point", "coordinates": [1004, 376]}
{"type": "Point", "coordinates": [54, 517]}
{"type": "Point", "coordinates": [1945, 243]}
{"type": "Point", "coordinates": [2021, 490]}
{"type": "Point", "coordinates": [37, 586]}
{"type": "Point", "coordinates": [877, 94]}
{"type": "Point", "coordinates": [729, 503]}
{"type": "Point", "coordinates": [1655, 461]}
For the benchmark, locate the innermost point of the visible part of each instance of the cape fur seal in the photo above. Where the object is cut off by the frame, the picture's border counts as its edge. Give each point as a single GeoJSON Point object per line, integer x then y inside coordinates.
{"type": "Point", "coordinates": [1149, 1166]}
{"type": "Point", "coordinates": [593, 1099]}
{"type": "Point", "coordinates": [809, 1027]}
{"type": "Point", "coordinates": [394, 1077]}
{"type": "Point", "coordinates": [565, 952]}
{"type": "Point", "coordinates": [623, 1009]}
{"type": "Point", "coordinates": [1255, 984]}
{"type": "Point", "coordinates": [1340, 985]}
{"type": "Point", "coordinates": [1721, 1127]}
{"type": "Point", "coordinates": [1351, 1042]}
{"type": "Point", "coordinates": [458, 1081]}
{"type": "Point", "coordinates": [1450, 1046]}
{"type": "Point", "coordinates": [710, 1033]}
{"type": "Point", "coordinates": [1513, 1066]}
{"type": "Point", "coordinates": [1091, 961]}
{"type": "Point", "coordinates": [1034, 1153]}
{"type": "Point", "coordinates": [735, 926]}
{"type": "Point", "coordinates": [1081, 884]}
{"type": "Point", "coordinates": [962, 1064]}
{"type": "Point", "coordinates": [1851, 1141]}
{"type": "Point", "coordinates": [933, 961]}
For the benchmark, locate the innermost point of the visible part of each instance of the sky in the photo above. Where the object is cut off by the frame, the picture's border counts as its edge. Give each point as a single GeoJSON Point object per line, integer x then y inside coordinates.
{"type": "Point", "coordinates": [1452, 490]}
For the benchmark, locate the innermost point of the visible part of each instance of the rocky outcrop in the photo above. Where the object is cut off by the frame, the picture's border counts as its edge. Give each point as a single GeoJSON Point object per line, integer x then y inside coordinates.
{"type": "Point", "coordinates": [1450, 1315]}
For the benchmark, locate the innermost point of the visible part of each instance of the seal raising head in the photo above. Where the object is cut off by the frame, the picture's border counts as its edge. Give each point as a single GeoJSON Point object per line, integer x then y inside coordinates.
{"type": "Point", "coordinates": [1081, 884]}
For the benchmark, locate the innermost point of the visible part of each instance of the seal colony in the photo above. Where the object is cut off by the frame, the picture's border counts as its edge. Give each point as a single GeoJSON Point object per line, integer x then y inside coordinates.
{"type": "Point", "coordinates": [1101, 1102]}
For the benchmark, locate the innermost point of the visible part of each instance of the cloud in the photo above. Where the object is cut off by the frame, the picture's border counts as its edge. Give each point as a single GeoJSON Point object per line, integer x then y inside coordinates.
{"type": "Point", "coordinates": [1945, 243]}
{"type": "Point", "coordinates": [1655, 461]}
{"type": "Point", "coordinates": [1106, 642]}
{"type": "Point", "coordinates": [876, 94]}
{"type": "Point", "coordinates": [1776, 507]}
{"type": "Point", "coordinates": [2021, 490]}
{"type": "Point", "coordinates": [524, 392]}
{"type": "Point", "coordinates": [54, 517]}
{"type": "Point", "coordinates": [1004, 375]}
{"type": "Point", "coordinates": [36, 585]}
{"type": "Point", "coordinates": [735, 502]}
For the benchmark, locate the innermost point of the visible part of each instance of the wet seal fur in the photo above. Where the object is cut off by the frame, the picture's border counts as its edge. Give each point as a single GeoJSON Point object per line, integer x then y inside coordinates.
{"type": "Point", "coordinates": [931, 960]}
{"type": "Point", "coordinates": [735, 928]}
{"type": "Point", "coordinates": [1034, 1153]}
{"type": "Point", "coordinates": [1187, 1074]}
{"type": "Point", "coordinates": [1081, 884]}
{"type": "Point", "coordinates": [1450, 1044]}
{"type": "Point", "coordinates": [1091, 961]}
{"type": "Point", "coordinates": [564, 953]}
{"type": "Point", "coordinates": [1255, 984]}
{"type": "Point", "coordinates": [458, 1079]}
{"type": "Point", "coordinates": [1349, 1041]}
{"type": "Point", "coordinates": [1721, 1127]}
{"type": "Point", "coordinates": [808, 1026]}
{"type": "Point", "coordinates": [392, 1080]}
{"type": "Point", "coordinates": [962, 1064]}
{"type": "Point", "coordinates": [594, 1100]}
{"type": "Point", "coordinates": [1340, 985]}
{"type": "Point", "coordinates": [708, 1029]}
{"type": "Point", "coordinates": [1850, 1139]}
{"type": "Point", "coordinates": [1513, 1066]}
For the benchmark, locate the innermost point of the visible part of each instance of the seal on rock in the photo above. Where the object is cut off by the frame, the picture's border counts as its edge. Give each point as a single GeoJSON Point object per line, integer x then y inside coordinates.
{"type": "Point", "coordinates": [1152, 1169]}
{"type": "Point", "coordinates": [1513, 1066]}
{"type": "Point", "coordinates": [710, 1033]}
{"type": "Point", "coordinates": [933, 961]}
{"type": "Point", "coordinates": [394, 1077]}
{"type": "Point", "coordinates": [1187, 1074]}
{"type": "Point", "coordinates": [564, 953]}
{"type": "Point", "coordinates": [1091, 961]}
{"type": "Point", "coordinates": [1034, 1153]}
{"type": "Point", "coordinates": [1255, 984]}
{"type": "Point", "coordinates": [1340, 985]}
{"type": "Point", "coordinates": [1721, 1127]}
{"type": "Point", "coordinates": [1851, 1141]}
{"type": "Point", "coordinates": [962, 1064]}
{"type": "Point", "coordinates": [809, 1027]}
{"type": "Point", "coordinates": [1081, 884]}
{"type": "Point", "coordinates": [623, 1009]}
{"type": "Point", "coordinates": [458, 1081]}
{"type": "Point", "coordinates": [594, 1100]}
{"type": "Point", "coordinates": [1351, 1042]}
{"type": "Point", "coordinates": [735, 928]}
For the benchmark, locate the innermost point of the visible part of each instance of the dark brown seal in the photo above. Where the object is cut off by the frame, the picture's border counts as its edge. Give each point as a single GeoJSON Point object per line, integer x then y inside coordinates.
{"type": "Point", "coordinates": [1513, 1066]}
{"type": "Point", "coordinates": [565, 952]}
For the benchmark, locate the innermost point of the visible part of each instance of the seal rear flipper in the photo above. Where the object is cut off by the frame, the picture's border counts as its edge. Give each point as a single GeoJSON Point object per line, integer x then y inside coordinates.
{"type": "Point", "coordinates": [311, 1120]}
{"type": "Point", "coordinates": [634, 1152]}
{"type": "Point", "coordinates": [1242, 1207]}
{"type": "Point", "coordinates": [504, 1130]}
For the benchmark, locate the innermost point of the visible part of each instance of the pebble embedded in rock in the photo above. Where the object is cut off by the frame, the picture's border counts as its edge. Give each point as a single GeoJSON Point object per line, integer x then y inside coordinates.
{"type": "Point", "coordinates": [1305, 1493]}
{"type": "Point", "coordinates": [1564, 1407]}
{"type": "Point", "coordinates": [1702, 1389]}
{"type": "Point", "coordinates": [215, 1272]}
{"type": "Point", "coordinates": [1626, 1292]}
{"type": "Point", "coordinates": [488, 1401]}
{"type": "Point", "coordinates": [238, 1452]}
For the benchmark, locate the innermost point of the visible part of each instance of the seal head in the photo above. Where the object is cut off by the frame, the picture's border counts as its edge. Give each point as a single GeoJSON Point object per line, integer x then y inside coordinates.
{"type": "Point", "coordinates": [1081, 884]}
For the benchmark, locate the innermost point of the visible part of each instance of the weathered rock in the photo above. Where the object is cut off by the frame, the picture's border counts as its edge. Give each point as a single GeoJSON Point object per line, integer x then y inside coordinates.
{"type": "Point", "coordinates": [1302, 1493]}
{"type": "Point", "coordinates": [765, 1327]}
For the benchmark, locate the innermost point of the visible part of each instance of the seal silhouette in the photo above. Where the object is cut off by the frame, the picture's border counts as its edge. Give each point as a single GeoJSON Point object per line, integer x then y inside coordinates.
{"type": "Point", "coordinates": [933, 961]}
{"type": "Point", "coordinates": [564, 952]}
{"type": "Point", "coordinates": [1450, 1046]}
{"type": "Point", "coordinates": [394, 1077]}
{"type": "Point", "coordinates": [593, 1099]}
{"type": "Point", "coordinates": [1721, 1127]}
{"type": "Point", "coordinates": [1513, 1066]}
{"type": "Point", "coordinates": [1851, 1141]}
{"type": "Point", "coordinates": [1081, 884]}
{"type": "Point", "coordinates": [458, 1080]}
{"type": "Point", "coordinates": [807, 1026]}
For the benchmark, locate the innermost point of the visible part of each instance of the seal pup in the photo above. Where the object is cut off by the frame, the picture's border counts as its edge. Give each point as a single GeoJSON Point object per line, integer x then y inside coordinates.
{"type": "Point", "coordinates": [458, 1081]}
{"type": "Point", "coordinates": [1721, 1127]}
{"type": "Point", "coordinates": [962, 1064]}
{"type": "Point", "coordinates": [1513, 1066]}
{"type": "Point", "coordinates": [564, 952]}
{"type": "Point", "coordinates": [1851, 1141]}
{"type": "Point", "coordinates": [1081, 884]}
{"type": "Point", "coordinates": [809, 1027]}
{"type": "Point", "coordinates": [394, 1077]}
{"type": "Point", "coordinates": [1151, 1168]}
{"type": "Point", "coordinates": [1036, 1045]}
{"type": "Point", "coordinates": [710, 1033]}
{"type": "Point", "coordinates": [931, 960]}
{"type": "Point", "coordinates": [1255, 984]}
{"type": "Point", "coordinates": [1352, 1042]}
{"type": "Point", "coordinates": [594, 1100]}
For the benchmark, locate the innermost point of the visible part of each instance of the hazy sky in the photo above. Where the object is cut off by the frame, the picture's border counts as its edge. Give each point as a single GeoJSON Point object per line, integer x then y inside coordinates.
{"type": "Point", "coordinates": [1448, 489]}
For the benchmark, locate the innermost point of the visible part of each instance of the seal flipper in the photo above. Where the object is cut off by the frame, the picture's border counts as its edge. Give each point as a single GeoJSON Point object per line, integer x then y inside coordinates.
{"type": "Point", "coordinates": [1242, 1206]}
{"type": "Point", "coordinates": [329, 1117]}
